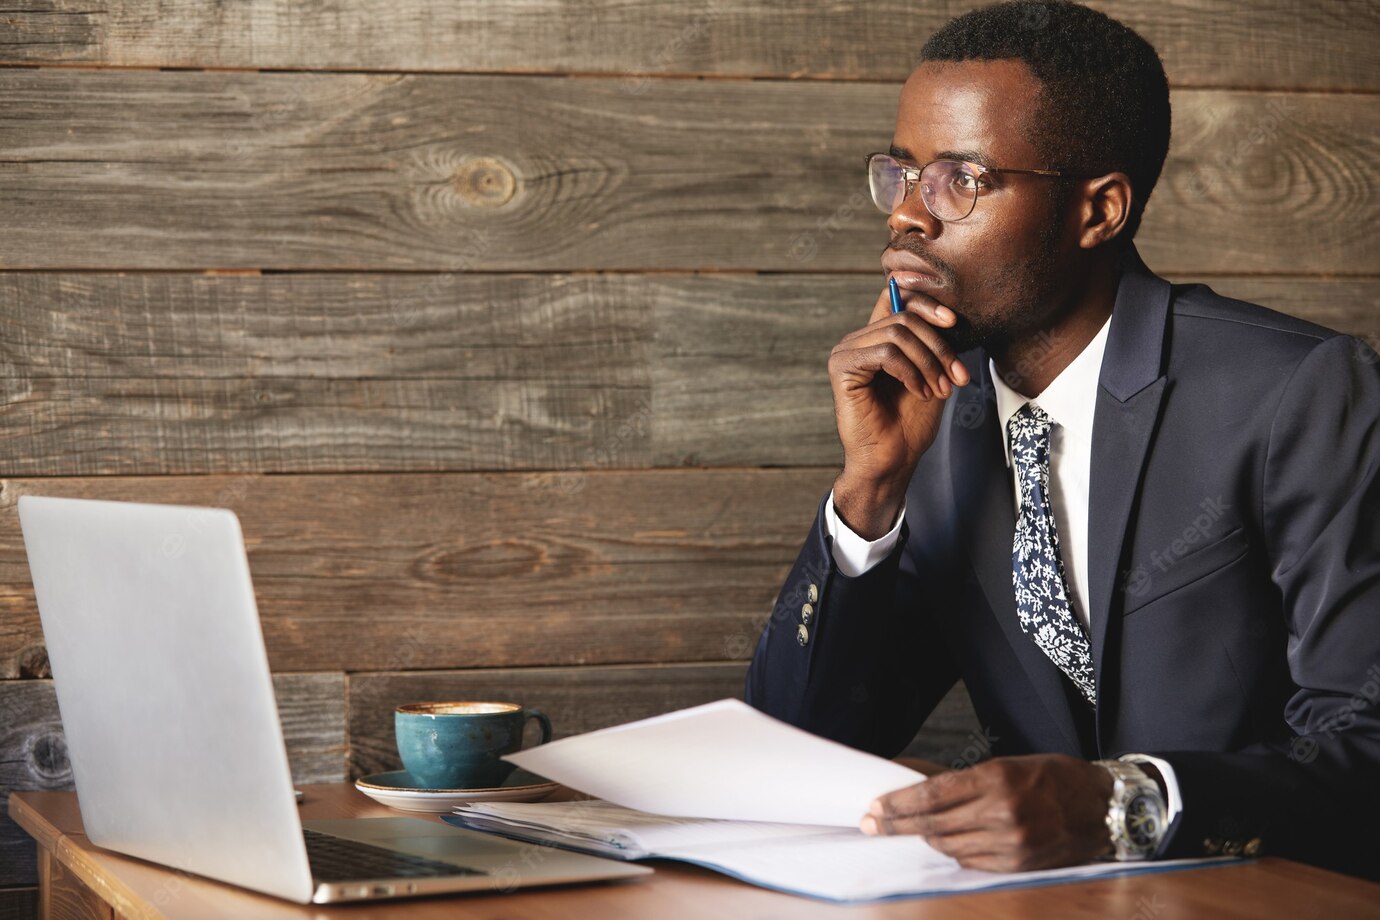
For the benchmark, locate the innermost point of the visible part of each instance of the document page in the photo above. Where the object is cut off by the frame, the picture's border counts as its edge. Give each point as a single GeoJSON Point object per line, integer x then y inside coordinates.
{"type": "Point", "coordinates": [635, 833]}
{"type": "Point", "coordinates": [833, 863]}
{"type": "Point", "coordinates": [721, 760]}
{"type": "Point", "coordinates": [851, 866]}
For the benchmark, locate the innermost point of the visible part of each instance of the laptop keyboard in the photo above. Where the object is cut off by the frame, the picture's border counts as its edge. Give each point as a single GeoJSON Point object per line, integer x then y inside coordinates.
{"type": "Point", "coordinates": [335, 859]}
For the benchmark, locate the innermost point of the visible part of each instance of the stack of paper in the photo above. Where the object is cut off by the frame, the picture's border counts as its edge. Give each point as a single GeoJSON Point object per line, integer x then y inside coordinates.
{"type": "Point", "coordinates": [730, 788]}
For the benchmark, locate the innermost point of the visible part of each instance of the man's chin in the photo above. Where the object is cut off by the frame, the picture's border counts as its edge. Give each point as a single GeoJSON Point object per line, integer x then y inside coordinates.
{"type": "Point", "coordinates": [964, 336]}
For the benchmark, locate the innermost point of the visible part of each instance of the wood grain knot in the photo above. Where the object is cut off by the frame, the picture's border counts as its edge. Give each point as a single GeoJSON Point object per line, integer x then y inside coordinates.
{"type": "Point", "coordinates": [48, 764]}
{"type": "Point", "coordinates": [485, 183]}
{"type": "Point", "coordinates": [486, 562]}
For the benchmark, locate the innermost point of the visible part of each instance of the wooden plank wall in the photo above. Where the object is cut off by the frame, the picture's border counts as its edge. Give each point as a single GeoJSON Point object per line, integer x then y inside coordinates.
{"type": "Point", "coordinates": [503, 326]}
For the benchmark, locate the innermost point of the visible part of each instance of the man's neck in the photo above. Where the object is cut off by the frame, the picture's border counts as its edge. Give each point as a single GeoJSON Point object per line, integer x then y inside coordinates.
{"type": "Point", "coordinates": [1031, 364]}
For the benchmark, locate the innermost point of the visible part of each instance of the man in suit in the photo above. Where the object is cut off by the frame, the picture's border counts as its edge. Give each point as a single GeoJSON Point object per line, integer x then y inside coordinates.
{"type": "Point", "coordinates": [1140, 521]}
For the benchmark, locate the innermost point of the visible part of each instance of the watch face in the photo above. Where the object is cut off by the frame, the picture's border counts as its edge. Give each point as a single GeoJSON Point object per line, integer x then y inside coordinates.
{"type": "Point", "coordinates": [1144, 821]}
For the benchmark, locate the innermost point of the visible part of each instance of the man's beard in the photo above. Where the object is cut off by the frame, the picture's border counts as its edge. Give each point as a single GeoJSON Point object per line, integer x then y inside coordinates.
{"type": "Point", "coordinates": [1022, 296]}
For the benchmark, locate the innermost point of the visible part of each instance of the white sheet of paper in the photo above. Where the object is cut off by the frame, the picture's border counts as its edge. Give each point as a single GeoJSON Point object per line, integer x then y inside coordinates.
{"type": "Point", "coordinates": [837, 863]}
{"type": "Point", "coordinates": [721, 760]}
{"type": "Point", "coordinates": [854, 867]}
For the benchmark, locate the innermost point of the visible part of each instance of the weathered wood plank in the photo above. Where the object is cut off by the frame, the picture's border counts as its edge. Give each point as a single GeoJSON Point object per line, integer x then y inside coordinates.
{"type": "Point", "coordinates": [33, 750]}
{"type": "Point", "coordinates": [311, 708]}
{"type": "Point", "coordinates": [33, 755]}
{"type": "Point", "coordinates": [1240, 164]}
{"type": "Point", "coordinates": [350, 171]}
{"type": "Point", "coordinates": [317, 373]}
{"type": "Point", "coordinates": [19, 903]}
{"type": "Point", "coordinates": [419, 570]}
{"type": "Point", "coordinates": [173, 373]}
{"type": "Point", "coordinates": [1203, 42]}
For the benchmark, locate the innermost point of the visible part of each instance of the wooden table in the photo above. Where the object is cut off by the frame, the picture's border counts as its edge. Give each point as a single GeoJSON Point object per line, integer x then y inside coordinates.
{"type": "Point", "coordinates": [79, 879]}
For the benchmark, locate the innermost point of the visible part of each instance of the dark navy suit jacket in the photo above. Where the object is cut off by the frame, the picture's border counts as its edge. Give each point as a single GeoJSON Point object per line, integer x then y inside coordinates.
{"type": "Point", "coordinates": [1234, 583]}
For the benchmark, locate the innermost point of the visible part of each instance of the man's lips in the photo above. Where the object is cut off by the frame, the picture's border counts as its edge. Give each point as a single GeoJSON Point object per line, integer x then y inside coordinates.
{"type": "Point", "coordinates": [914, 281]}
{"type": "Point", "coordinates": [909, 270]}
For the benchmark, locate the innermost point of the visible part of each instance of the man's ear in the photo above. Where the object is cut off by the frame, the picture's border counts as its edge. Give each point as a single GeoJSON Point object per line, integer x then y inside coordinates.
{"type": "Point", "coordinates": [1105, 208]}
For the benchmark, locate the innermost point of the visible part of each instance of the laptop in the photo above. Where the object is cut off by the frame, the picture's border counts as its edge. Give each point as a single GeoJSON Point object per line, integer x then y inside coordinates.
{"type": "Point", "coordinates": [172, 728]}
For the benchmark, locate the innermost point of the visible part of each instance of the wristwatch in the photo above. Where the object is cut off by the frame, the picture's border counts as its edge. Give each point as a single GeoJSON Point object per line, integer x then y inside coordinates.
{"type": "Point", "coordinates": [1135, 812]}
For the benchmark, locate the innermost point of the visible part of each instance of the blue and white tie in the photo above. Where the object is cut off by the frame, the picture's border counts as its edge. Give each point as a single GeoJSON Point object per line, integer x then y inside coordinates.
{"type": "Point", "coordinates": [1042, 595]}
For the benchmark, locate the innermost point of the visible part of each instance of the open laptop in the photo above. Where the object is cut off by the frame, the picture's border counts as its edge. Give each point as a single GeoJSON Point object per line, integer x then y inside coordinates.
{"type": "Point", "coordinates": [172, 727]}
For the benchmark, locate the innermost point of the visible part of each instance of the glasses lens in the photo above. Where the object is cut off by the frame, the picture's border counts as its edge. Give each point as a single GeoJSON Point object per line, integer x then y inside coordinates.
{"type": "Point", "coordinates": [888, 182]}
{"type": "Point", "coordinates": [949, 189]}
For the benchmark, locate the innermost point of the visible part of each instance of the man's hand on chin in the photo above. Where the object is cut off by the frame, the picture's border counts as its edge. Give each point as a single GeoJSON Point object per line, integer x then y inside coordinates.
{"type": "Point", "coordinates": [1008, 814]}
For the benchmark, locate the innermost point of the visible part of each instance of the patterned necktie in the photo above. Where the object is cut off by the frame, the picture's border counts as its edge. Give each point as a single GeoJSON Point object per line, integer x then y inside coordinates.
{"type": "Point", "coordinates": [1042, 595]}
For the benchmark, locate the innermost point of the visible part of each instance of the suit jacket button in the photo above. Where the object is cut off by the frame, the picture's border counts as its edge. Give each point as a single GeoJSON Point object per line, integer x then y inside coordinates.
{"type": "Point", "coordinates": [1212, 845]}
{"type": "Point", "coordinates": [806, 612]}
{"type": "Point", "coordinates": [813, 593]}
{"type": "Point", "coordinates": [1252, 846]}
{"type": "Point", "coordinates": [802, 634]}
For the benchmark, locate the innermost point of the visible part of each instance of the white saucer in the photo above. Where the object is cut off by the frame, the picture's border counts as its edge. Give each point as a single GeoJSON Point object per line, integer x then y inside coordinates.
{"type": "Point", "coordinates": [397, 789]}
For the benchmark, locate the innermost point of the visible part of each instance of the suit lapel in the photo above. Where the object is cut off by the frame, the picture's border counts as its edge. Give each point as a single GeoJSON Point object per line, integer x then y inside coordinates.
{"type": "Point", "coordinates": [1129, 396]}
{"type": "Point", "coordinates": [983, 495]}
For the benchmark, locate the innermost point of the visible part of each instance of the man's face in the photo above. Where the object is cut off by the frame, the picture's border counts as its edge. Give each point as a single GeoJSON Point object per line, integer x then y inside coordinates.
{"type": "Point", "coordinates": [999, 269]}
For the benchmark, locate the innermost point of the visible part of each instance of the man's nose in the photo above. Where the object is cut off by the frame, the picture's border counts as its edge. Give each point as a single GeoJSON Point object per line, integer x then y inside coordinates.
{"type": "Point", "coordinates": [911, 215]}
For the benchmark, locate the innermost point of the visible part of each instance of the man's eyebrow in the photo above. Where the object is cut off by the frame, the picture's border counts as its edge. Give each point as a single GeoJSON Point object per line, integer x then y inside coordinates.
{"type": "Point", "coordinates": [971, 156]}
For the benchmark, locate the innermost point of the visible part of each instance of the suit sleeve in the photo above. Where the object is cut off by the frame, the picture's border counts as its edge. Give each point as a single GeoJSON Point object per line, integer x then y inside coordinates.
{"type": "Point", "coordinates": [868, 667]}
{"type": "Point", "coordinates": [1312, 796]}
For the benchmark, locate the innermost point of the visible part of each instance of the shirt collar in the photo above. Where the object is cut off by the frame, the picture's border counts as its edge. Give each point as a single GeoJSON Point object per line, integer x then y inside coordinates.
{"type": "Point", "coordinates": [1070, 398]}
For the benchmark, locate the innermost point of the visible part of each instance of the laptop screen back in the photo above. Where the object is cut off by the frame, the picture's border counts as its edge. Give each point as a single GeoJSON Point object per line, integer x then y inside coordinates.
{"type": "Point", "coordinates": [164, 688]}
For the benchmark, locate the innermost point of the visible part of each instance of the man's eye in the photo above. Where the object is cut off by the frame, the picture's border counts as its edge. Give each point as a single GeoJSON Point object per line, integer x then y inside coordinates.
{"type": "Point", "coordinates": [968, 181]}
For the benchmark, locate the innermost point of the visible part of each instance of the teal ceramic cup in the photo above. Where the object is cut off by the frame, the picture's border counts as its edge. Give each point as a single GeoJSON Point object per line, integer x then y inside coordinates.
{"type": "Point", "coordinates": [458, 745]}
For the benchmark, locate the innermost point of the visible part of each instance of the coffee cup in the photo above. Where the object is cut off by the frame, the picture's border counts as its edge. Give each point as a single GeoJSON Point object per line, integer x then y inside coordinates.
{"type": "Point", "coordinates": [458, 745]}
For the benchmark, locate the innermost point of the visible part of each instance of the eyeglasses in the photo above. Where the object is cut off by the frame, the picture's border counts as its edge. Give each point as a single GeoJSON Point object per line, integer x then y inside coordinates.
{"type": "Point", "coordinates": [949, 188]}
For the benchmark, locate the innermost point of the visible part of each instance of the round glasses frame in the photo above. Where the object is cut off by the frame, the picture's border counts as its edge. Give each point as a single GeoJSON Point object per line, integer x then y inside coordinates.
{"type": "Point", "coordinates": [883, 190]}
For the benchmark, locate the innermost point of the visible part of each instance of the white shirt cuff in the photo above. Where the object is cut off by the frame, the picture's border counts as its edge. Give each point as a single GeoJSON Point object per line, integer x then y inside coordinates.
{"type": "Point", "coordinates": [1171, 782]}
{"type": "Point", "coordinates": [852, 554]}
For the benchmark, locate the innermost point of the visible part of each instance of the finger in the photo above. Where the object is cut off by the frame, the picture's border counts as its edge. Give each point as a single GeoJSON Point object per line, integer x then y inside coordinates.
{"type": "Point", "coordinates": [927, 332]}
{"type": "Point", "coordinates": [964, 818]}
{"type": "Point", "coordinates": [882, 308]}
{"type": "Point", "coordinates": [936, 794]}
{"type": "Point", "coordinates": [914, 339]}
{"type": "Point", "coordinates": [923, 305]}
{"type": "Point", "coordinates": [899, 363]}
{"type": "Point", "coordinates": [915, 302]}
{"type": "Point", "coordinates": [858, 367]}
{"type": "Point", "coordinates": [931, 310]}
{"type": "Point", "coordinates": [927, 308]}
{"type": "Point", "coordinates": [924, 331]}
{"type": "Point", "coordinates": [970, 847]}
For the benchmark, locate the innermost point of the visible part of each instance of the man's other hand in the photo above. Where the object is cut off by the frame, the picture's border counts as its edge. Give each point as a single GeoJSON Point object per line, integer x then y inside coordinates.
{"type": "Point", "coordinates": [1008, 814]}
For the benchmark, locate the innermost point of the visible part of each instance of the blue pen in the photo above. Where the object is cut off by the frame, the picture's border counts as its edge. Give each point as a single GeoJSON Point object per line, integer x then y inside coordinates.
{"type": "Point", "coordinates": [896, 305]}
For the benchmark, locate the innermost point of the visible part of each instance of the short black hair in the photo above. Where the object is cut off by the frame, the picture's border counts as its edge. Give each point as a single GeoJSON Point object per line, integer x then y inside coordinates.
{"type": "Point", "coordinates": [1105, 99]}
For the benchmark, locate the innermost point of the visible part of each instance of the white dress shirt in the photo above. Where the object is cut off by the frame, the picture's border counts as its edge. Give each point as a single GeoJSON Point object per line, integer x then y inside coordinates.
{"type": "Point", "coordinates": [1069, 401]}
